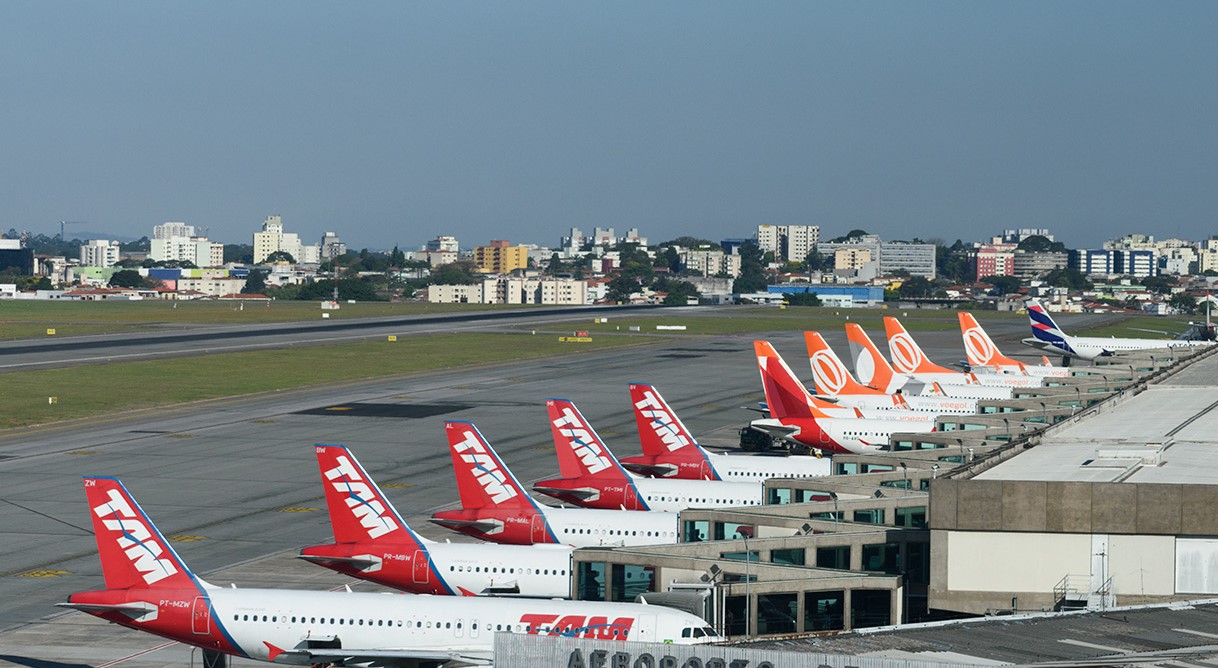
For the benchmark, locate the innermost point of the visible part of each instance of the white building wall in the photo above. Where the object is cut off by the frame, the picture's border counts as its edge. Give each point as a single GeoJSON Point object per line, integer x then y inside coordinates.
{"type": "Point", "coordinates": [169, 230]}
{"type": "Point", "coordinates": [994, 561]}
{"type": "Point", "coordinates": [99, 253]}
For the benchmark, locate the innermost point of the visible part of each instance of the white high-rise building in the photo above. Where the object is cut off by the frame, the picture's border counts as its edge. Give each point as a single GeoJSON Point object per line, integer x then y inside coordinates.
{"type": "Point", "coordinates": [99, 253]}
{"type": "Point", "coordinates": [170, 230]}
{"type": "Point", "coordinates": [273, 239]}
{"type": "Point", "coordinates": [197, 250]}
{"type": "Point", "coordinates": [788, 242]}
{"type": "Point", "coordinates": [332, 246]}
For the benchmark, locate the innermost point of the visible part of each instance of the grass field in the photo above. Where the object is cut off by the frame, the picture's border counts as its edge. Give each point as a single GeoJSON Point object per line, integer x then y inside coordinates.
{"type": "Point", "coordinates": [30, 319]}
{"type": "Point", "coordinates": [84, 391]}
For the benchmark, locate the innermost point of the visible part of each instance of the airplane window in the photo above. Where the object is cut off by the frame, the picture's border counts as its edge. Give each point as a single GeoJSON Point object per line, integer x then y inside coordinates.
{"type": "Point", "coordinates": [399, 623]}
{"type": "Point", "coordinates": [361, 622]}
{"type": "Point", "coordinates": [458, 624]}
{"type": "Point", "coordinates": [448, 625]}
{"type": "Point", "coordinates": [686, 632]}
{"type": "Point", "coordinates": [498, 627]}
{"type": "Point", "coordinates": [474, 626]}
{"type": "Point", "coordinates": [418, 625]}
{"type": "Point", "coordinates": [332, 620]}
{"type": "Point", "coordinates": [293, 619]}
{"type": "Point", "coordinates": [264, 618]}
{"type": "Point", "coordinates": [247, 618]}
{"type": "Point", "coordinates": [428, 624]}
{"type": "Point", "coordinates": [275, 619]}
{"type": "Point", "coordinates": [340, 621]}
{"type": "Point", "coordinates": [380, 622]}
{"type": "Point", "coordinates": [236, 618]}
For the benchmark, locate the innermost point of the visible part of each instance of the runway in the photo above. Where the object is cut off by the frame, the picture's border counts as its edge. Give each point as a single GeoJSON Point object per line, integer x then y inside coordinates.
{"type": "Point", "coordinates": [235, 480]}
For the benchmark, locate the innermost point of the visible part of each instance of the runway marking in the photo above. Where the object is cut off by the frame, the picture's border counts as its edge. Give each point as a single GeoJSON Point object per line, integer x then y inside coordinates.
{"type": "Point", "coordinates": [339, 408]}
{"type": "Point", "coordinates": [44, 573]}
{"type": "Point", "coordinates": [137, 654]}
{"type": "Point", "coordinates": [297, 509]}
{"type": "Point", "coordinates": [397, 485]}
{"type": "Point", "coordinates": [179, 436]}
{"type": "Point", "coordinates": [84, 452]}
{"type": "Point", "coordinates": [185, 538]}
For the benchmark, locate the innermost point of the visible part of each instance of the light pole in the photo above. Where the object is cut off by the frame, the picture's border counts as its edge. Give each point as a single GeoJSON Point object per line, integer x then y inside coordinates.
{"type": "Point", "coordinates": [905, 477]}
{"type": "Point", "coordinates": [748, 599]}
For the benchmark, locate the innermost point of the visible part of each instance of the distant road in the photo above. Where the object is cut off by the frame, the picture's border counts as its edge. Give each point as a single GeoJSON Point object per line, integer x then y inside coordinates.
{"type": "Point", "coordinates": [29, 354]}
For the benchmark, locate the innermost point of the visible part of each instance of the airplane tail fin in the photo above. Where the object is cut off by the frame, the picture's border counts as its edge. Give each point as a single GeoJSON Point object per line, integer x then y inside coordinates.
{"type": "Point", "coordinates": [1043, 327]}
{"type": "Point", "coordinates": [828, 372]}
{"type": "Point", "coordinates": [978, 345]}
{"type": "Point", "coordinates": [870, 367]}
{"type": "Point", "coordinates": [483, 481]}
{"type": "Point", "coordinates": [581, 452]}
{"type": "Point", "coordinates": [907, 356]}
{"type": "Point", "coordinates": [359, 511]}
{"type": "Point", "coordinates": [134, 554]}
{"type": "Point", "coordinates": [785, 396]}
{"type": "Point", "coordinates": [660, 430]}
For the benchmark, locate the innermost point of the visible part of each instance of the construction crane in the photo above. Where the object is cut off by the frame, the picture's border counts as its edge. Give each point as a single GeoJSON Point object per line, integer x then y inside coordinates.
{"type": "Point", "coordinates": [65, 223]}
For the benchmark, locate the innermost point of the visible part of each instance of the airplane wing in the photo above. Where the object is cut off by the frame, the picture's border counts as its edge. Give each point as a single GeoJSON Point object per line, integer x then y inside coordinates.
{"type": "Point", "coordinates": [578, 492]}
{"type": "Point", "coordinates": [774, 429]}
{"type": "Point", "coordinates": [396, 658]}
{"type": "Point", "coordinates": [358, 562]}
{"type": "Point", "coordinates": [480, 525]}
{"type": "Point", "coordinates": [657, 470]}
{"type": "Point", "coordinates": [133, 610]}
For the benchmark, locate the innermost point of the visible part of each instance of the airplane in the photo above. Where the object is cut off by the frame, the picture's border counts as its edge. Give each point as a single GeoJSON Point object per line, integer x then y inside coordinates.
{"type": "Point", "coordinates": [984, 356]}
{"type": "Point", "coordinates": [1047, 336]}
{"type": "Point", "coordinates": [832, 379]}
{"type": "Point", "coordinates": [874, 371]}
{"type": "Point", "coordinates": [149, 588]}
{"type": "Point", "coordinates": [593, 478]}
{"type": "Point", "coordinates": [794, 418]}
{"type": "Point", "coordinates": [908, 358]}
{"type": "Point", "coordinates": [496, 507]}
{"type": "Point", "coordinates": [670, 450]}
{"type": "Point", "coordinates": [372, 542]}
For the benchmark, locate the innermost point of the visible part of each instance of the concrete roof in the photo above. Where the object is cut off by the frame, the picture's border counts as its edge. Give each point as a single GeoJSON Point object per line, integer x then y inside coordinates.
{"type": "Point", "coordinates": [1166, 434]}
{"type": "Point", "coordinates": [1075, 638]}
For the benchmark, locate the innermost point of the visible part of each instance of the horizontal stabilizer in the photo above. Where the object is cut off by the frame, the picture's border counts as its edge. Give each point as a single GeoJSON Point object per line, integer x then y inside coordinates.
{"type": "Point", "coordinates": [578, 492]}
{"type": "Point", "coordinates": [133, 610]}
{"type": "Point", "coordinates": [485, 526]}
{"type": "Point", "coordinates": [654, 470]}
{"type": "Point", "coordinates": [357, 562]}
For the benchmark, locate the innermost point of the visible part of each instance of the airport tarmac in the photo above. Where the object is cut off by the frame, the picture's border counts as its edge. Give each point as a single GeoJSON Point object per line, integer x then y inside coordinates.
{"type": "Point", "coordinates": [235, 485]}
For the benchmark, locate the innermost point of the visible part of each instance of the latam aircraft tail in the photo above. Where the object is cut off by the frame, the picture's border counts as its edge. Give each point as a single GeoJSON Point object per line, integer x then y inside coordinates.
{"type": "Point", "coordinates": [907, 356]}
{"type": "Point", "coordinates": [785, 396]}
{"type": "Point", "coordinates": [581, 452]}
{"type": "Point", "coordinates": [979, 347]}
{"type": "Point", "coordinates": [1044, 330]}
{"type": "Point", "coordinates": [134, 554]}
{"type": "Point", "coordinates": [483, 481]}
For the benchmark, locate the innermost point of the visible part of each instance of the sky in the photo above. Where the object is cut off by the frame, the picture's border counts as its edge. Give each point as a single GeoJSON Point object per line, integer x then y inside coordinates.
{"type": "Point", "coordinates": [393, 122]}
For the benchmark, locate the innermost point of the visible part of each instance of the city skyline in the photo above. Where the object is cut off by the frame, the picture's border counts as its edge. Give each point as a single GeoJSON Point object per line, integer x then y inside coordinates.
{"type": "Point", "coordinates": [391, 124]}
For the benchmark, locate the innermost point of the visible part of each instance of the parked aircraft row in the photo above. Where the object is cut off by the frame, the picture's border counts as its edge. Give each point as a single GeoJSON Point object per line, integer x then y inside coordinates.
{"type": "Point", "coordinates": [148, 587]}
{"type": "Point", "coordinates": [1047, 336]}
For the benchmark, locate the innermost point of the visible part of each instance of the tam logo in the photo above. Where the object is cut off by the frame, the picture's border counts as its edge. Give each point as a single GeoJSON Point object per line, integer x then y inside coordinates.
{"type": "Point", "coordinates": [829, 372]}
{"type": "Point", "coordinates": [663, 423]}
{"type": "Point", "coordinates": [484, 467]}
{"type": "Point", "coordinates": [578, 626]}
{"type": "Point", "coordinates": [135, 540]}
{"type": "Point", "coordinates": [360, 498]}
{"type": "Point", "coordinates": [581, 441]}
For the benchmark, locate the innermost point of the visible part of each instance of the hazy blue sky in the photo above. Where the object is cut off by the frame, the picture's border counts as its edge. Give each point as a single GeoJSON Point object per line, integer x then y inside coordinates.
{"type": "Point", "coordinates": [392, 122]}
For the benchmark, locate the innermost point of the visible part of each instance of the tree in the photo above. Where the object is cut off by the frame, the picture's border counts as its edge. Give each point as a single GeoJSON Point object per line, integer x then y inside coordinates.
{"type": "Point", "coordinates": [671, 259]}
{"type": "Point", "coordinates": [255, 283]}
{"type": "Point", "coordinates": [852, 234]}
{"type": "Point", "coordinates": [752, 271]}
{"type": "Point", "coordinates": [1003, 285]}
{"type": "Point", "coordinates": [239, 253]}
{"type": "Point", "coordinates": [620, 288]}
{"type": "Point", "coordinates": [454, 273]}
{"type": "Point", "coordinates": [803, 299]}
{"type": "Point", "coordinates": [1072, 279]}
{"type": "Point", "coordinates": [679, 293]}
{"type": "Point", "coordinates": [689, 242]}
{"type": "Point", "coordinates": [1158, 284]}
{"type": "Point", "coordinates": [1040, 244]}
{"type": "Point", "coordinates": [635, 262]}
{"type": "Point", "coordinates": [397, 258]}
{"type": "Point", "coordinates": [817, 262]}
{"type": "Point", "coordinates": [127, 278]}
{"type": "Point", "coordinates": [1183, 303]}
{"type": "Point", "coordinates": [280, 256]}
{"type": "Point", "coordinates": [952, 262]}
{"type": "Point", "coordinates": [917, 287]}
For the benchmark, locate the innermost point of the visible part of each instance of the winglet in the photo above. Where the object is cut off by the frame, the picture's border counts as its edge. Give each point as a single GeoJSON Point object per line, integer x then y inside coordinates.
{"type": "Point", "coordinates": [828, 372]}
{"type": "Point", "coordinates": [978, 346]}
{"type": "Point", "coordinates": [870, 366]}
{"type": "Point", "coordinates": [581, 452]}
{"type": "Point", "coordinates": [483, 481]}
{"type": "Point", "coordinates": [134, 554]}
{"type": "Point", "coordinates": [907, 356]}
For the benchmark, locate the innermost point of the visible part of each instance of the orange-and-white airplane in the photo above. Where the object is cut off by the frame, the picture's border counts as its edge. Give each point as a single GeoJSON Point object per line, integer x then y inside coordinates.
{"type": "Point", "coordinates": [593, 478]}
{"type": "Point", "coordinates": [149, 588]}
{"type": "Point", "coordinates": [793, 416]}
{"type": "Point", "coordinates": [372, 542]}
{"type": "Point", "coordinates": [833, 380]}
{"type": "Point", "coordinates": [908, 358]}
{"type": "Point", "coordinates": [873, 370]}
{"type": "Point", "coordinates": [670, 450]}
{"type": "Point", "coordinates": [496, 507]}
{"type": "Point", "coordinates": [984, 357]}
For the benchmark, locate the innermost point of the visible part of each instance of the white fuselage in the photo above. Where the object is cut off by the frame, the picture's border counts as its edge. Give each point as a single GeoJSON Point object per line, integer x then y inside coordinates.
{"type": "Point", "coordinates": [461, 625]}
{"type": "Point", "coordinates": [1091, 347]}
{"type": "Point", "coordinates": [865, 432]}
{"type": "Point", "coordinates": [954, 385]}
{"type": "Point", "coordinates": [759, 468]}
{"type": "Point", "coordinates": [590, 527]}
{"type": "Point", "coordinates": [1037, 370]}
{"type": "Point", "coordinates": [673, 495]}
{"type": "Point", "coordinates": [926, 407]}
{"type": "Point", "coordinates": [541, 570]}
